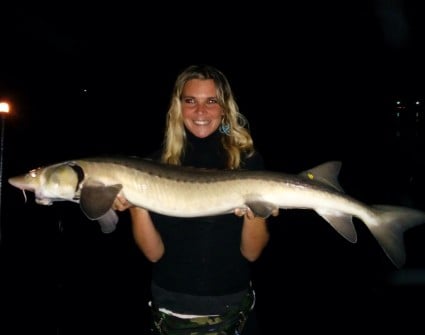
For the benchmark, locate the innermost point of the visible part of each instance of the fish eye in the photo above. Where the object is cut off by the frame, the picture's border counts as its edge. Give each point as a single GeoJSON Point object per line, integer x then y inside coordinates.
{"type": "Point", "coordinates": [33, 173]}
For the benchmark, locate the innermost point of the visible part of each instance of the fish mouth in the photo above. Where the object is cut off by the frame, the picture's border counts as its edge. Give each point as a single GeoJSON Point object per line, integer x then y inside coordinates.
{"type": "Point", "coordinates": [43, 201]}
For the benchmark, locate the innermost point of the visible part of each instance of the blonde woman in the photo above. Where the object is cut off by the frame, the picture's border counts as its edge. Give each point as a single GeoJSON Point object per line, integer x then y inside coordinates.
{"type": "Point", "coordinates": [201, 275]}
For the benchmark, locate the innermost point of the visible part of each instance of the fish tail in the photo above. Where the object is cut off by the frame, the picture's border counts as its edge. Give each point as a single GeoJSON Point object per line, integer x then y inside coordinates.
{"type": "Point", "coordinates": [391, 223]}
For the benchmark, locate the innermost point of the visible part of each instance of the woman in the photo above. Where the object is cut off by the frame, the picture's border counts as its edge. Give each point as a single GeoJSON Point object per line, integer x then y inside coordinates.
{"type": "Point", "coordinates": [201, 273]}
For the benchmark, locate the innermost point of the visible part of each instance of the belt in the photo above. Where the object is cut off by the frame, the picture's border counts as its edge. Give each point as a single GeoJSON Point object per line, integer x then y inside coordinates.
{"type": "Point", "coordinates": [231, 322]}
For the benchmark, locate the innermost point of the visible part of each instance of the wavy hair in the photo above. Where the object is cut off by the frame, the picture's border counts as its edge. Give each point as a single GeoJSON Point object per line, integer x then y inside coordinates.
{"type": "Point", "coordinates": [237, 142]}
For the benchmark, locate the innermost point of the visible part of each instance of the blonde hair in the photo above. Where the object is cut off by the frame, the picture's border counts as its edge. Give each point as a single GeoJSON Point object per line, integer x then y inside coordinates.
{"type": "Point", "coordinates": [235, 143]}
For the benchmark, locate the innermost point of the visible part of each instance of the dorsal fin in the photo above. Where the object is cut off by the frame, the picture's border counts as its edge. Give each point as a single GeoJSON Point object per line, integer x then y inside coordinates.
{"type": "Point", "coordinates": [326, 173]}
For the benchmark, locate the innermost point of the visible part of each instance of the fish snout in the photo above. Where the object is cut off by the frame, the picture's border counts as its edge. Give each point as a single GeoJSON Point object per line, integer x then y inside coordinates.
{"type": "Point", "coordinates": [16, 182]}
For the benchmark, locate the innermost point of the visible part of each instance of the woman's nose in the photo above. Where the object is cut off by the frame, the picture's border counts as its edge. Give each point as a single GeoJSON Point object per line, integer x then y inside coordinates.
{"type": "Point", "coordinates": [201, 109]}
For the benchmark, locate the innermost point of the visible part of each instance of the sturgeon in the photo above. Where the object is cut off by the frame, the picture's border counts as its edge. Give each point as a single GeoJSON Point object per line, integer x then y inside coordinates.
{"type": "Point", "coordinates": [94, 183]}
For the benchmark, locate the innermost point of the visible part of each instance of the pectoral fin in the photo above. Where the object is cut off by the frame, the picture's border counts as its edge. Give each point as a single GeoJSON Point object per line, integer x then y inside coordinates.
{"type": "Point", "coordinates": [108, 222]}
{"type": "Point", "coordinates": [96, 199]}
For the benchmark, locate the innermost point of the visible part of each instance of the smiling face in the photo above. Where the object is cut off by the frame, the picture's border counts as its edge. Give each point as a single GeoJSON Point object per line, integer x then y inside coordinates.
{"type": "Point", "coordinates": [201, 111]}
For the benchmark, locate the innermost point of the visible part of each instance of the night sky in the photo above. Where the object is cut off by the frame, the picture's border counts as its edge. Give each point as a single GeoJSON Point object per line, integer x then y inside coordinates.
{"type": "Point", "coordinates": [317, 82]}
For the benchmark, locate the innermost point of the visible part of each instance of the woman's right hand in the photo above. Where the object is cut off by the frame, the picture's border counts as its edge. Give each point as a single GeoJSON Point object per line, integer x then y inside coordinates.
{"type": "Point", "coordinates": [121, 203]}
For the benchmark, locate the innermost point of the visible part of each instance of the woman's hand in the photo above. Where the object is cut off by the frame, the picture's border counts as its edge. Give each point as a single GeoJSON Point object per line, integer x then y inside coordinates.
{"type": "Point", "coordinates": [250, 214]}
{"type": "Point", "coordinates": [121, 203]}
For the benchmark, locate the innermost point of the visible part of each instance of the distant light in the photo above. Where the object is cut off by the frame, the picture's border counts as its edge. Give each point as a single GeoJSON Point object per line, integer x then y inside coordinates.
{"type": "Point", "coordinates": [4, 107]}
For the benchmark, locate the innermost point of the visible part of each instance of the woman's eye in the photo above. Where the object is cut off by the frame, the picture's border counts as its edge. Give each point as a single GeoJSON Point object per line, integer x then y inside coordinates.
{"type": "Point", "coordinates": [188, 100]}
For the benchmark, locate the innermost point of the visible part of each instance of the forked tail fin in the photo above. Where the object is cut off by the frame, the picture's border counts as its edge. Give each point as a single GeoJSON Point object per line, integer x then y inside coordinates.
{"type": "Point", "coordinates": [393, 221]}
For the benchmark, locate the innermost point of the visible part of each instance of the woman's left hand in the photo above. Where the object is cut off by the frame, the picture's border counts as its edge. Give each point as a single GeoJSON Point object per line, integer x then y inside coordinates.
{"type": "Point", "coordinates": [250, 214]}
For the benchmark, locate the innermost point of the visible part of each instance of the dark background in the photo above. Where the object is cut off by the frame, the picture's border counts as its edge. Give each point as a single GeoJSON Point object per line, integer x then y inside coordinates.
{"type": "Point", "coordinates": [318, 81]}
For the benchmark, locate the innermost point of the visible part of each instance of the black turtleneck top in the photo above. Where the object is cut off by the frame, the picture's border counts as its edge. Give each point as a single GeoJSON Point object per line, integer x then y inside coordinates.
{"type": "Point", "coordinates": [202, 255]}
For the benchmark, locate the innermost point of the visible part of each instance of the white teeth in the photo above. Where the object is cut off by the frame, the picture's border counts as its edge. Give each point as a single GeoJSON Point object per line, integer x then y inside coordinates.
{"type": "Point", "coordinates": [201, 122]}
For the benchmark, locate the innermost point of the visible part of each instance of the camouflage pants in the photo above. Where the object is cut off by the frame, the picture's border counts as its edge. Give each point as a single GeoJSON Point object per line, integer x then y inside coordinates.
{"type": "Point", "coordinates": [230, 323]}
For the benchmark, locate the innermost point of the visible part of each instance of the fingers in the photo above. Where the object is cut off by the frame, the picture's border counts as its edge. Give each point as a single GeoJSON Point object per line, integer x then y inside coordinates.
{"type": "Point", "coordinates": [244, 211]}
{"type": "Point", "coordinates": [240, 211]}
{"type": "Point", "coordinates": [120, 203]}
{"type": "Point", "coordinates": [250, 214]}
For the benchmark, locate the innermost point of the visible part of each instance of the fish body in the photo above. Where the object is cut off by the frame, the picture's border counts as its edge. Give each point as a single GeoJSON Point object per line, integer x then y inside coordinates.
{"type": "Point", "coordinates": [95, 182]}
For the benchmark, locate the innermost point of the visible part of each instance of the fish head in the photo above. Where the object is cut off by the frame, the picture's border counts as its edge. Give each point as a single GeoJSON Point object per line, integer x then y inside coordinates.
{"type": "Point", "coordinates": [58, 182]}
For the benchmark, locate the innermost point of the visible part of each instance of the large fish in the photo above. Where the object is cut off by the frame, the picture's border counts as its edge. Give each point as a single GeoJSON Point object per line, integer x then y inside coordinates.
{"type": "Point", "coordinates": [94, 183]}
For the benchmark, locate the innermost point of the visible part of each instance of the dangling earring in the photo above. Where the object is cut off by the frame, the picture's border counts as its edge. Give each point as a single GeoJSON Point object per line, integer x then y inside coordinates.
{"type": "Point", "coordinates": [224, 127]}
